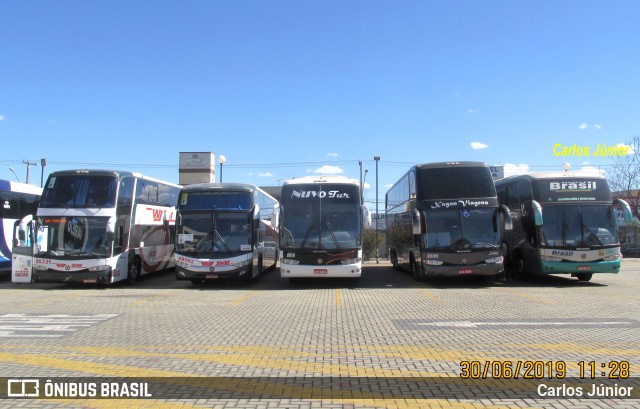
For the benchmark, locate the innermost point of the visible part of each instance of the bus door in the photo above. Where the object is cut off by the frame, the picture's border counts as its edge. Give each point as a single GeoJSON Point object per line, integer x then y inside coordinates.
{"type": "Point", "coordinates": [25, 241]}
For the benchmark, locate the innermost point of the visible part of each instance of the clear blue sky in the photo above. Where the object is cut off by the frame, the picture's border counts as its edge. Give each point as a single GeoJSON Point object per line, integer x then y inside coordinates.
{"type": "Point", "coordinates": [283, 88]}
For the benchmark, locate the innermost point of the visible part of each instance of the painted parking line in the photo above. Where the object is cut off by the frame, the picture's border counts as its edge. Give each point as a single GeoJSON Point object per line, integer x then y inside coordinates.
{"type": "Point", "coordinates": [48, 325]}
{"type": "Point", "coordinates": [432, 296]}
{"type": "Point", "coordinates": [501, 324]}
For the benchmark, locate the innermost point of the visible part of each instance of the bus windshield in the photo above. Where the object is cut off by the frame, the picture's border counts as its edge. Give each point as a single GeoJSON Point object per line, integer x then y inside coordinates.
{"type": "Point", "coordinates": [74, 237]}
{"type": "Point", "coordinates": [202, 234]}
{"type": "Point", "coordinates": [461, 229]}
{"type": "Point", "coordinates": [79, 191]}
{"type": "Point", "coordinates": [321, 225]}
{"type": "Point", "coordinates": [578, 226]}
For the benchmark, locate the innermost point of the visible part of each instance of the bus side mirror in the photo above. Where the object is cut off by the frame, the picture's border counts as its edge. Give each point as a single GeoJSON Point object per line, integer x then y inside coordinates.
{"type": "Point", "coordinates": [275, 216]}
{"type": "Point", "coordinates": [416, 222]}
{"type": "Point", "coordinates": [23, 228]}
{"type": "Point", "coordinates": [111, 229]}
{"type": "Point", "coordinates": [507, 220]}
{"type": "Point", "coordinates": [167, 217]}
{"type": "Point", "coordinates": [626, 210]}
{"type": "Point", "coordinates": [537, 213]}
{"type": "Point", "coordinates": [366, 217]}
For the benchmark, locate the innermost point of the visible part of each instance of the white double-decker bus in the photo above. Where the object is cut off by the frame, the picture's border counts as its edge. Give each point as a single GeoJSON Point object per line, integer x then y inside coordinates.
{"type": "Point", "coordinates": [321, 224]}
{"type": "Point", "coordinates": [18, 200]}
{"type": "Point", "coordinates": [101, 226]}
{"type": "Point", "coordinates": [225, 230]}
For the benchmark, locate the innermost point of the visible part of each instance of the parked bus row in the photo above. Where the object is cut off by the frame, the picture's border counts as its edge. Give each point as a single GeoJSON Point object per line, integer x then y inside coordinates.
{"type": "Point", "coordinates": [443, 219]}
{"type": "Point", "coordinates": [451, 219]}
{"type": "Point", "coordinates": [101, 227]}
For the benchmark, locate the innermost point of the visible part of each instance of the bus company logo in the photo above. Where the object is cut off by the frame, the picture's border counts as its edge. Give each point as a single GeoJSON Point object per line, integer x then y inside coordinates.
{"type": "Point", "coordinates": [206, 263]}
{"type": "Point", "coordinates": [223, 263]}
{"type": "Point", "coordinates": [561, 253]}
{"type": "Point", "coordinates": [306, 194]}
{"type": "Point", "coordinates": [185, 260]}
{"type": "Point", "coordinates": [585, 185]}
{"type": "Point", "coordinates": [583, 256]}
{"type": "Point", "coordinates": [156, 214]}
{"type": "Point", "coordinates": [446, 205]}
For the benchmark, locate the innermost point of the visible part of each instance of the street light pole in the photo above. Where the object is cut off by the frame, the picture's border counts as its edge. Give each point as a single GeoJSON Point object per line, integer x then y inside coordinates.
{"type": "Point", "coordinates": [14, 174]}
{"type": "Point", "coordinates": [222, 159]}
{"type": "Point", "coordinates": [377, 158]}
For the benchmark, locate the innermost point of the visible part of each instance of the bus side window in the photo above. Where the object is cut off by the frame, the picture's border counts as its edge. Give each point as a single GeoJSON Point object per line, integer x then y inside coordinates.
{"type": "Point", "coordinates": [118, 244]}
{"type": "Point", "coordinates": [513, 198]}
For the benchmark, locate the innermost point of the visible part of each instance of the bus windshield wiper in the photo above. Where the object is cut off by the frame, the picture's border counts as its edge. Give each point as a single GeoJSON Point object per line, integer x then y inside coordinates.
{"type": "Point", "coordinates": [224, 243]}
{"type": "Point", "coordinates": [333, 236]}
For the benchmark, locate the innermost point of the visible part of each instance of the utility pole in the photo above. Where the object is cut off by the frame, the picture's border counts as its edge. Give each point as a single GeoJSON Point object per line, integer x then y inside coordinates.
{"type": "Point", "coordinates": [29, 164]}
{"type": "Point", "coordinates": [377, 158]}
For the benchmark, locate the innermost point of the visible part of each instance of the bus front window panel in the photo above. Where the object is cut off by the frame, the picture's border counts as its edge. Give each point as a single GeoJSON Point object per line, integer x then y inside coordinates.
{"type": "Point", "coordinates": [478, 228]}
{"type": "Point", "coordinates": [233, 232]}
{"type": "Point", "coordinates": [77, 236]}
{"type": "Point", "coordinates": [444, 228]}
{"type": "Point", "coordinates": [340, 227]}
{"type": "Point", "coordinates": [578, 226]}
{"type": "Point", "coordinates": [599, 225]}
{"type": "Point", "coordinates": [195, 235]}
{"type": "Point", "coordinates": [298, 221]}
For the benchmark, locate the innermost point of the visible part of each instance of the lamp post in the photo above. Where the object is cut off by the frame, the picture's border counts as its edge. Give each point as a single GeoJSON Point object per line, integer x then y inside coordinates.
{"type": "Point", "coordinates": [377, 158]}
{"type": "Point", "coordinates": [222, 159]}
{"type": "Point", "coordinates": [14, 174]}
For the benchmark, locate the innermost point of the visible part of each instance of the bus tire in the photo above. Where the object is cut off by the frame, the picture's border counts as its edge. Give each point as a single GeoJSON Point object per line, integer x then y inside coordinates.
{"type": "Point", "coordinates": [518, 265]}
{"type": "Point", "coordinates": [133, 271]}
{"type": "Point", "coordinates": [584, 276]}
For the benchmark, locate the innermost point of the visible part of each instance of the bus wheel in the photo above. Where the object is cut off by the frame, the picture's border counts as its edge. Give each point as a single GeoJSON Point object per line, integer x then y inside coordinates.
{"type": "Point", "coordinates": [584, 276]}
{"type": "Point", "coordinates": [133, 272]}
{"type": "Point", "coordinates": [518, 265]}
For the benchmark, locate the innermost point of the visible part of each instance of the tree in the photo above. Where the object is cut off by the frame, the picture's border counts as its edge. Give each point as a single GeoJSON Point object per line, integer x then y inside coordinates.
{"type": "Point", "coordinates": [624, 179]}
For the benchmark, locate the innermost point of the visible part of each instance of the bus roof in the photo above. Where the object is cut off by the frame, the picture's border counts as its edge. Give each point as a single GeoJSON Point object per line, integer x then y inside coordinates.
{"type": "Point", "coordinates": [461, 164]}
{"type": "Point", "coordinates": [551, 175]}
{"type": "Point", "coordinates": [242, 187]}
{"type": "Point", "coordinates": [322, 179]}
{"type": "Point", "coordinates": [9, 186]}
{"type": "Point", "coordinates": [107, 172]}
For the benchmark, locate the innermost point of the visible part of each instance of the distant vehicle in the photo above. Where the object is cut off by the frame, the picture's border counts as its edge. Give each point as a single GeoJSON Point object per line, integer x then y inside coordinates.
{"type": "Point", "coordinates": [630, 250]}
{"type": "Point", "coordinates": [321, 225]}
{"type": "Point", "coordinates": [564, 223]}
{"type": "Point", "coordinates": [99, 226]}
{"type": "Point", "coordinates": [18, 200]}
{"type": "Point", "coordinates": [443, 219]}
{"type": "Point", "coordinates": [225, 230]}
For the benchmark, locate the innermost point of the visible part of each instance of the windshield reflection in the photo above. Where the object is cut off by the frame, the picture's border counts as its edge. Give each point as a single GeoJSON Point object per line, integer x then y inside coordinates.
{"type": "Point", "coordinates": [321, 225]}
{"type": "Point", "coordinates": [79, 191]}
{"type": "Point", "coordinates": [70, 237]}
{"type": "Point", "coordinates": [578, 226]}
{"type": "Point", "coordinates": [202, 234]}
{"type": "Point", "coordinates": [461, 229]}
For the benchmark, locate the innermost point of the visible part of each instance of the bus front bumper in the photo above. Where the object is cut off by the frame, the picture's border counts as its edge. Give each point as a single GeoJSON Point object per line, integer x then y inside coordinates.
{"type": "Point", "coordinates": [235, 273]}
{"type": "Point", "coordinates": [572, 267]}
{"type": "Point", "coordinates": [331, 271]}
{"type": "Point", "coordinates": [81, 277]}
{"type": "Point", "coordinates": [478, 270]}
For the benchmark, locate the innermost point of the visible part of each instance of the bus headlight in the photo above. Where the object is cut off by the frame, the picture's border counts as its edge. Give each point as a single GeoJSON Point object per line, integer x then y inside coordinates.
{"type": "Point", "coordinates": [288, 261]}
{"type": "Point", "coordinates": [434, 262]}
{"type": "Point", "coordinates": [494, 260]}
{"type": "Point", "coordinates": [551, 258]}
{"type": "Point", "coordinates": [40, 267]}
{"type": "Point", "coordinates": [99, 268]}
{"type": "Point", "coordinates": [243, 263]}
{"type": "Point", "coordinates": [182, 264]}
{"type": "Point", "coordinates": [612, 257]}
{"type": "Point", "coordinates": [350, 261]}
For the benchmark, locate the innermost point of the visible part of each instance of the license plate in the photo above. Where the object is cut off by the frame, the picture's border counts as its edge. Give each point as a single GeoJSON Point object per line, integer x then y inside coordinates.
{"type": "Point", "coordinates": [584, 268]}
{"type": "Point", "coordinates": [90, 280]}
{"type": "Point", "coordinates": [211, 276]}
{"type": "Point", "coordinates": [319, 271]}
{"type": "Point", "coordinates": [465, 271]}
